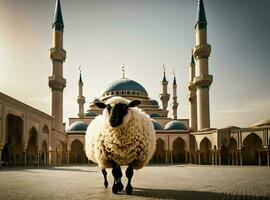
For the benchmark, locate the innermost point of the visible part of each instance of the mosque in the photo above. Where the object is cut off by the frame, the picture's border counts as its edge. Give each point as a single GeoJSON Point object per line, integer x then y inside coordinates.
{"type": "Point", "coordinates": [29, 136]}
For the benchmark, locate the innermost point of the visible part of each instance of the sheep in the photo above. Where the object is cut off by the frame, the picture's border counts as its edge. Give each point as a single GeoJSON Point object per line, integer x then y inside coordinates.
{"type": "Point", "coordinates": [122, 136]}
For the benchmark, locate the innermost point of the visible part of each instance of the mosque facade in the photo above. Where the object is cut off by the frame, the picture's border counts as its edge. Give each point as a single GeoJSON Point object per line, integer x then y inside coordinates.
{"type": "Point", "coordinates": [29, 136]}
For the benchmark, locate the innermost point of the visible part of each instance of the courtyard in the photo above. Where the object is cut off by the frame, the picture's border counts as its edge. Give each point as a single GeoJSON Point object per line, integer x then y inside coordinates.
{"type": "Point", "coordinates": [185, 182]}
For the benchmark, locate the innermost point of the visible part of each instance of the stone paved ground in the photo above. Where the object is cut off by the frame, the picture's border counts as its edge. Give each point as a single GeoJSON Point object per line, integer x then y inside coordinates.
{"type": "Point", "coordinates": [185, 182]}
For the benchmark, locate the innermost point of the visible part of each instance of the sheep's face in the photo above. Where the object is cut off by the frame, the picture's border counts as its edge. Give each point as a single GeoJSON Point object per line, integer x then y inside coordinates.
{"type": "Point", "coordinates": [119, 112]}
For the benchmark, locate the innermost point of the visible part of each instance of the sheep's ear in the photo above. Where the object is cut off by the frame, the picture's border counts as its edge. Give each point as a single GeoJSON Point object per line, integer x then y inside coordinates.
{"type": "Point", "coordinates": [100, 105]}
{"type": "Point", "coordinates": [134, 103]}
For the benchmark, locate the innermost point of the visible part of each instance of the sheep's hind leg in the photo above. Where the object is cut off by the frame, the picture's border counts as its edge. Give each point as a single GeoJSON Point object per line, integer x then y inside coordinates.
{"type": "Point", "coordinates": [104, 172]}
{"type": "Point", "coordinates": [129, 175]}
{"type": "Point", "coordinates": [117, 174]}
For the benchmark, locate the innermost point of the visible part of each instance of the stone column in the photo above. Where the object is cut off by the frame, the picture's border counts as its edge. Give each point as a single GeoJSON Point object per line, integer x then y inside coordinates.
{"type": "Point", "coordinates": [186, 152]}
{"type": "Point", "coordinates": [171, 157]}
{"type": "Point", "coordinates": [199, 157]}
{"type": "Point", "coordinates": [219, 157]}
{"type": "Point", "coordinates": [50, 157]}
{"type": "Point", "coordinates": [240, 157]}
{"type": "Point", "coordinates": [38, 154]}
{"type": "Point", "coordinates": [190, 157]}
{"type": "Point", "coordinates": [216, 158]}
{"type": "Point", "coordinates": [212, 157]}
{"type": "Point", "coordinates": [68, 152]}
{"type": "Point", "coordinates": [259, 153]}
{"type": "Point", "coordinates": [0, 158]}
{"type": "Point", "coordinates": [1, 148]}
{"type": "Point", "coordinates": [267, 152]}
{"type": "Point", "coordinates": [25, 155]}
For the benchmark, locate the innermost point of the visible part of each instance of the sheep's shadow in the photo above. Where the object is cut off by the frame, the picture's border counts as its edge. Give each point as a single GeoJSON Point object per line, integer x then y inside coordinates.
{"type": "Point", "coordinates": [184, 194]}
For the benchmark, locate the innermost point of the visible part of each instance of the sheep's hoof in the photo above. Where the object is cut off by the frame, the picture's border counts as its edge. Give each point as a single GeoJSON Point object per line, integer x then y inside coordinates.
{"type": "Point", "coordinates": [120, 186]}
{"type": "Point", "coordinates": [106, 184]}
{"type": "Point", "coordinates": [129, 189]}
{"type": "Point", "coordinates": [115, 188]}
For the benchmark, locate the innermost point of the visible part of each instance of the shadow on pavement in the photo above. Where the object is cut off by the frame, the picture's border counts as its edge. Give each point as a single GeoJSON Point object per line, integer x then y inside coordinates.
{"type": "Point", "coordinates": [188, 195]}
{"type": "Point", "coordinates": [34, 169]}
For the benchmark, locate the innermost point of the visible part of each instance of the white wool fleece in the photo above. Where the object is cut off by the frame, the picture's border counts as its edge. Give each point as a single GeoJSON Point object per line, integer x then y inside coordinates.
{"type": "Point", "coordinates": [133, 142]}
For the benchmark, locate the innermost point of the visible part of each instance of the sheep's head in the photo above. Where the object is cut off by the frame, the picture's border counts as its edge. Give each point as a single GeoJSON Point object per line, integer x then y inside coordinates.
{"type": "Point", "coordinates": [117, 110]}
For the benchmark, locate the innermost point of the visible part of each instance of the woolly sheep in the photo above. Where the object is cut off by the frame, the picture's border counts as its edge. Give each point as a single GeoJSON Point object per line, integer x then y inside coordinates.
{"type": "Point", "coordinates": [122, 135]}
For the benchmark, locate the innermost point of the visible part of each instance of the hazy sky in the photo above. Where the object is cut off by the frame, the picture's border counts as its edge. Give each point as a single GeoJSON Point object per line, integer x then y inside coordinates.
{"type": "Point", "coordinates": [144, 34]}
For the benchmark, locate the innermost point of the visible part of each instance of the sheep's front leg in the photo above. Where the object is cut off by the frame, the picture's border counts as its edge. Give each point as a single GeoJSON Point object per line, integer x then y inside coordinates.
{"type": "Point", "coordinates": [104, 172]}
{"type": "Point", "coordinates": [117, 174]}
{"type": "Point", "coordinates": [129, 175]}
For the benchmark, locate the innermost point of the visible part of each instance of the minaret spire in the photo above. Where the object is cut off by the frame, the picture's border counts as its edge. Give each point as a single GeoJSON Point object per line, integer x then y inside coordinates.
{"type": "Point", "coordinates": [58, 22]}
{"type": "Point", "coordinates": [200, 18]}
{"type": "Point", "coordinates": [203, 80]}
{"type": "Point", "coordinates": [164, 96]}
{"type": "Point", "coordinates": [56, 81]}
{"type": "Point", "coordinates": [175, 104]}
{"type": "Point", "coordinates": [81, 98]}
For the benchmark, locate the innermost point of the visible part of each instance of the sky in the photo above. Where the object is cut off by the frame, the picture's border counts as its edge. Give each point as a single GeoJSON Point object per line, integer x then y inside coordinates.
{"type": "Point", "coordinates": [101, 35]}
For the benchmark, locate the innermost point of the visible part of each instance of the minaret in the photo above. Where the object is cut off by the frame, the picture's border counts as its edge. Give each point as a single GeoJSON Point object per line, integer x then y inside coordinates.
{"type": "Point", "coordinates": [175, 104]}
{"type": "Point", "coordinates": [164, 96]}
{"type": "Point", "coordinates": [192, 96]}
{"type": "Point", "coordinates": [58, 55]}
{"type": "Point", "coordinates": [203, 80]}
{"type": "Point", "coordinates": [81, 98]}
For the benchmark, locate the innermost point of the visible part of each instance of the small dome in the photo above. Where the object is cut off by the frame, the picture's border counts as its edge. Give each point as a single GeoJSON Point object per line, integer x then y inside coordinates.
{"type": "Point", "coordinates": [78, 126]}
{"type": "Point", "coordinates": [157, 125]}
{"type": "Point", "coordinates": [125, 85]}
{"type": "Point", "coordinates": [91, 114]}
{"type": "Point", "coordinates": [154, 102]}
{"type": "Point", "coordinates": [153, 115]}
{"type": "Point", "coordinates": [175, 125]}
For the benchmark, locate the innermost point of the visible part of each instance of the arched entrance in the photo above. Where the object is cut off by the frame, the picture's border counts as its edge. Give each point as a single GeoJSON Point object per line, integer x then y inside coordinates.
{"type": "Point", "coordinates": [45, 129]}
{"type": "Point", "coordinates": [44, 154]}
{"type": "Point", "coordinates": [160, 154]}
{"type": "Point", "coordinates": [77, 154]}
{"type": "Point", "coordinates": [224, 155]}
{"type": "Point", "coordinates": [12, 153]}
{"type": "Point", "coordinates": [205, 151]}
{"type": "Point", "coordinates": [232, 151]}
{"type": "Point", "coordinates": [32, 147]}
{"type": "Point", "coordinates": [252, 146]}
{"type": "Point", "coordinates": [179, 154]}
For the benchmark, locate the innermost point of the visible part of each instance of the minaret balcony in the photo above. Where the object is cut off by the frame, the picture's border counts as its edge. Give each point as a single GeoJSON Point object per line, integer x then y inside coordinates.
{"type": "Point", "coordinates": [191, 85]}
{"type": "Point", "coordinates": [202, 51]}
{"type": "Point", "coordinates": [164, 97]}
{"type": "Point", "coordinates": [81, 99]}
{"type": "Point", "coordinates": [57, 82]}
{"type": "Point", "coordinates": [203, 80]}
{"type": "Point", "coordinates": [58, 54]}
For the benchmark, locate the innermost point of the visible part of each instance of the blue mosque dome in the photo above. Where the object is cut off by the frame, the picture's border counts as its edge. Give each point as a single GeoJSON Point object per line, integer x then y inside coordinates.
{"type": "Point", "coordinates": [175, 125]}
{"type": "Point", "coordinates": [154, 102]}
{"type": "Point", "coordinates": [125, 86]}
{"type": "Point", "coordinates": [91, 114]}
{"type": "Point", "coordinates": [78, 126]}
{"type": "Point", "coordinates": [153, 115]}
{"type": "Point", "coordinates": [157, 125]}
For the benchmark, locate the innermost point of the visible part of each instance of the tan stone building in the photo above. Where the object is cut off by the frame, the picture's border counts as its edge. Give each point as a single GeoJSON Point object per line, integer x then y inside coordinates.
{"type": "Point", "coordinates": [31, 137]}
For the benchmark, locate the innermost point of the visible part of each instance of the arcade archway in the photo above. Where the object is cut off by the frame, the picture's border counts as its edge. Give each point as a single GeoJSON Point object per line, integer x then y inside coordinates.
{"type": "Point", "coordinates": [12, 153]}
{"type": "Point", "coordinates": [160, 154]}
{"type": "Point", "coordinates": [252, 146]}
{"type": "Point", "coordinates": [205, 151]}
{"type": "Point", "coordinates": [77, 154]}
{"type": "Point", "coordinates": [179, 154]}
